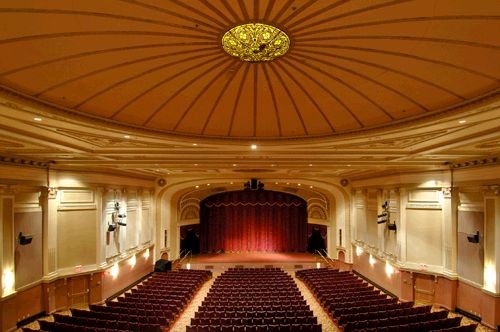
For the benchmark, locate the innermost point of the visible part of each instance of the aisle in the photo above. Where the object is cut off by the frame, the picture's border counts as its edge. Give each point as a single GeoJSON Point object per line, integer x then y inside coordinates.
{"type": "Point", "coordinates": [323, 318]}
{"type": "Point", "coordinates": [188, 313]}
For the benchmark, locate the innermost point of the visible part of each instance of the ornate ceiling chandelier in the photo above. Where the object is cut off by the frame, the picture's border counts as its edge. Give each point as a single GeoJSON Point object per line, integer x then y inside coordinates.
{"type": "Point", "coordinates": [255, 42]}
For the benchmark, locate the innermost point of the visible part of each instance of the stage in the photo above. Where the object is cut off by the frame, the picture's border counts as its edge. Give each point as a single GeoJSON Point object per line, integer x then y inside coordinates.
{"type": "Point", "coordinates": [223, 261]}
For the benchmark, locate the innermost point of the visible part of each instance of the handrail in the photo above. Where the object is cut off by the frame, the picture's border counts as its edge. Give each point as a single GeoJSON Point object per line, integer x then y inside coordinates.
{"type": "Point", "coordinates": [328, 260]}
{"type": "Point", "coordinates": [182, 256]}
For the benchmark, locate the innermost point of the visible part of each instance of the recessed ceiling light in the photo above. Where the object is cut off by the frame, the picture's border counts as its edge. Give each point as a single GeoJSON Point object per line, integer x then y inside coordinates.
{"type": "Point", "coordinates": [462, 121]}
{"type": "Point", "coordinates": [273, 165]}
{"type": "Point", "coordinates": [311, 187]}
{"type": "Point", "coordinates": [37, 119]}
{"type": "Point", "coordinates": [231, 182]}
{"type": "Point", "coordinates": [157, 170]}
{"type": "Point", "coordinates": [195, 144]}
{"type": "Point", "coordinates": [234, 165]}
{"type": "Point", "coordinates": [298, 184]}
{"type": "Point", "coordinates": [126, 136]}
{"type": "Point", "coordinates": [276, 183]}
{"type": "Point", "coordinates": [348, 165]}
{"type": "Point", "coordinates": [196, 164]}
{"type": "Point", "coordinates": [196, 186]}
{"type": "Point", "coordinates": [310, 164]}
{"type": "Point", "coordinates": [208, 184]}
{"type": "Point", "coordinates": [253, 146]}
{"type": "Point", "coordinates": [288, 183]}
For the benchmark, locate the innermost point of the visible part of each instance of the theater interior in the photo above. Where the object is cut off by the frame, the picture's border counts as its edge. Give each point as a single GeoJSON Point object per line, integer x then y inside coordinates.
{"type": "Point", "coordinates": [291, 140]}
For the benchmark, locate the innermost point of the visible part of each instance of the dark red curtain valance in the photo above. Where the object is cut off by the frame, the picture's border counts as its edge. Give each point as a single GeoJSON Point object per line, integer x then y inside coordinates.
{"type": "Point", "coordinates": [253, 220]}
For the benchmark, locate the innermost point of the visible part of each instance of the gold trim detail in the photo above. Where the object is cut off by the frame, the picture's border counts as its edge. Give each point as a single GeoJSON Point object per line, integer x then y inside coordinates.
{"type": "Point", "coordinates": [255, 42]}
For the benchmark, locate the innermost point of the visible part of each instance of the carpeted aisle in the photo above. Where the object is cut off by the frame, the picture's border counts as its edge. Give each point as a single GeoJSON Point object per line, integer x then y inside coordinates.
{"type": "Point", "coordinates": [323, 318]}
{"type": "Point", "coordinates": [188, 313]}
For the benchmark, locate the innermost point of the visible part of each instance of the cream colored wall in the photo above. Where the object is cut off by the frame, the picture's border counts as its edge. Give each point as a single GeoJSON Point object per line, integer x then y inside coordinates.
{"type": "Point", "coordinates": [434, 212]}
{"type": "Point", "coordinates": [76, 238]}
{"type": "Point", "coordinates": [424, 237]}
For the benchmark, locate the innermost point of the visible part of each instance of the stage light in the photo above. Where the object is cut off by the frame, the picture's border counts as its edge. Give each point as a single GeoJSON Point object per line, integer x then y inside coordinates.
{"type": "Point", "coordinates": [318, 265]}
{"type": "Point", "coordinates": [114, 271]}
{"type": "Point", "coordinates": [371, 260]}
{"type": "Point", "coordinates": [188, 266]}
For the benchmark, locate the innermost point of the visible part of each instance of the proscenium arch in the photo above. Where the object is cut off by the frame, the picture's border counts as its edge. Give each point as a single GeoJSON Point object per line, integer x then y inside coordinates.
{"type": "Point", "coordinates": [167, 217]}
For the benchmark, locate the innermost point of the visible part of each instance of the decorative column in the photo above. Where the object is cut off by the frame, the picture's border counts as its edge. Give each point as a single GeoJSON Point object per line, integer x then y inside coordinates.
{"type": "Point", "coordinates": [491, 287]}
{"type": "Point", "coordinates": [401, 231]}
{"type": "Point", "coordinates": [7, 280]}
{"type": "Point", "coordinates": [102, 197]}
{"type": "Point", "coordinates": [450, 231]}
{"type": "Point", "coordinates": [391, 245]}
{"type": "Point", "coordinates": [492, 240]}
{"type": "Point", "coordinates": [381, 199]}
{"type": "Point", "coordinates": [49, 202]}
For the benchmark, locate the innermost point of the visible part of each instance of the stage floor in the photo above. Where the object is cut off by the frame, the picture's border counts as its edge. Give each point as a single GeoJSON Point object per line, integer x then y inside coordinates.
{"type": "Point", "coordinates": [264, 259]}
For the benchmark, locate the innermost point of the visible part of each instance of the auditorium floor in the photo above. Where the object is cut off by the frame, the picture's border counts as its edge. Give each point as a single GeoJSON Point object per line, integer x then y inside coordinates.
{"type": "Point", "coordinates": [323, 318]}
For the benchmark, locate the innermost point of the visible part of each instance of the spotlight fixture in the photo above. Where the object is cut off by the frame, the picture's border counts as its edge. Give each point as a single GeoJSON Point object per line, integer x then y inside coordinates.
{"type": "Point", "coordinates": [253, 184]}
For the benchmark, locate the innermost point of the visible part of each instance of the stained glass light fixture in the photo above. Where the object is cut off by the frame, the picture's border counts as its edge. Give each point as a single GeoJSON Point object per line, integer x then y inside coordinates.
{"type": "Point", "coordinates": [255, 42]}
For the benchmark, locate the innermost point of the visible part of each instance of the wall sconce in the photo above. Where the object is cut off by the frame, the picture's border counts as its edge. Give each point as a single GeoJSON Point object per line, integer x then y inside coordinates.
{"type": "Point", "coordinates": [359, 251]}
{"type": "Point", "coordinates": [8, 282]}
{"type": "Point", "coordinates": [371, 260]}
{"type": "Point", "coordinates": [473, 238]}
{"type": "Point", "coordinates": [389, 269]}
{"type": "Point", "coordinates": [114, 270]}
{"type": "Point", "coordinates": [132, 260]}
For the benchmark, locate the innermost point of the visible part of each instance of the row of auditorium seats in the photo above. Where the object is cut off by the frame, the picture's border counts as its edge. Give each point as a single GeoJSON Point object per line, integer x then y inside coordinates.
{"type": "Point", "coordinates": [151, 307]}
{"type": "Point", "coordinates": [354, 305]}
{"type": "Point", "coordinates": [255, 328]}
{"type": "Point", "coordinates": [257, 299]}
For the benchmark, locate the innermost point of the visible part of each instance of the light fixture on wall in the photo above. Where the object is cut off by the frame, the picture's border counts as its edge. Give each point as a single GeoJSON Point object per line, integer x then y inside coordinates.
{"type": "Point", "coordinates": [371, 260]}
{"type": "Point", "coordinates": [385, 217]}
{"type": "Point", "coordinates": [473, 238]}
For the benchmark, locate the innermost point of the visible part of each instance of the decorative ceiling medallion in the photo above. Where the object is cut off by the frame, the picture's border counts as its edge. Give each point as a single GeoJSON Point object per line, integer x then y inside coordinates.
{"type": "Point", "coordinates": [255, 42]}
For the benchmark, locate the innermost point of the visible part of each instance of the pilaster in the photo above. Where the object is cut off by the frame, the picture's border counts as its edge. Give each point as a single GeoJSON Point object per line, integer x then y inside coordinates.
{"type": "Point", "coordinates": [7, 251]}
{"type": "Point", "coordinates": [450, 230]}
{"type": "Point", "coordinates": [49, 201]}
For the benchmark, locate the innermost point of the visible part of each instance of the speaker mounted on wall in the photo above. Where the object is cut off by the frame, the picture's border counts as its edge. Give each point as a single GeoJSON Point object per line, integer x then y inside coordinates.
{"type": "Point", "coordinates": [24, 239]}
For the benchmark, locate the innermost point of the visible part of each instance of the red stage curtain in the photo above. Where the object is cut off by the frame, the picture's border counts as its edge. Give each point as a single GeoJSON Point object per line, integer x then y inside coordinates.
{"type": "Point", "coordinates": [253, 220]}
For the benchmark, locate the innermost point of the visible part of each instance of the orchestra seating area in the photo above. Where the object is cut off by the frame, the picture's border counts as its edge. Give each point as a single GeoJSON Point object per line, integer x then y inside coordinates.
{"type": "Point", "coordinates": [151, 307]}
{"type": "Point", "coordinates": [254, 299]}
{"type": "Point", "coordinates": [354, 305]}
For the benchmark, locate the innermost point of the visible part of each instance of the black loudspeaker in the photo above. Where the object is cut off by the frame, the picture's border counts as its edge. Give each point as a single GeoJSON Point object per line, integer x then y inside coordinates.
{"type": "Point", "coordinates": [25, 239]}
{"type": "Point", "coordinates": [473, 238]}
{"type": "Point", "coordinates": [163, 265]}
{"type": "Point", "coordinates": [253, 184]}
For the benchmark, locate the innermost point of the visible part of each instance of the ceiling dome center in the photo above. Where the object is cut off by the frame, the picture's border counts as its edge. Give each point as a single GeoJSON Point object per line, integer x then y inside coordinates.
{"type": "Point", "coordinates": [255, 42]}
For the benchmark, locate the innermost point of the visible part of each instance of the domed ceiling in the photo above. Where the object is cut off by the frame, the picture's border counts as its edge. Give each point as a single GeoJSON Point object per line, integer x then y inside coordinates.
{"type": "Point", "coordinates": [160, 64]}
